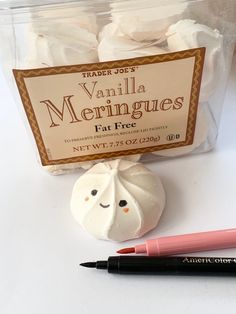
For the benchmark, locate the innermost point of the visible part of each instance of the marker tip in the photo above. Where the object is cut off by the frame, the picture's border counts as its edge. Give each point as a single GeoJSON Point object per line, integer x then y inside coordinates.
{"type": "Point", "coordinates": [89, 264]}
{"type": "Point", "coordinates": [126, 250]}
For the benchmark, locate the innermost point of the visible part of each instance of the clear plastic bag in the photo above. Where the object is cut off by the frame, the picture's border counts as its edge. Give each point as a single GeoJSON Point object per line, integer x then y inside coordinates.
{"type": "Point", "coordinates": [56, 34]}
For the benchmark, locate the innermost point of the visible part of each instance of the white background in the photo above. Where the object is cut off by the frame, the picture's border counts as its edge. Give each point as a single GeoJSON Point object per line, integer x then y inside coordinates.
{"type": "Point", "coordinates": [41, 245]}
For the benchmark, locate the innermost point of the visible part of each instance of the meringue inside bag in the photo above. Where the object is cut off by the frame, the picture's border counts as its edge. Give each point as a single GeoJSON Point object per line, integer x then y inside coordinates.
{"type": "Point", "coordinates": [136, 79]}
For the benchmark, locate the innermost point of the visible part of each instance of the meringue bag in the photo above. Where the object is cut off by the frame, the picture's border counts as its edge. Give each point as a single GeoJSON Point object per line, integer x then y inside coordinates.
{"type": "Point", "coordinates": [136, 79]}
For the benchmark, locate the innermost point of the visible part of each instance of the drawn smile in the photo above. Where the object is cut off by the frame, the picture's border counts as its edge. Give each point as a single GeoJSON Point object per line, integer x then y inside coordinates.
{"type": "Point", "coordinates": [104, 206]}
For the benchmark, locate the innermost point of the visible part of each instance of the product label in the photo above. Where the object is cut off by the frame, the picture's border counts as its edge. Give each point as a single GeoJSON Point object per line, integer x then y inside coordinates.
{"type": "Point", "coordinates": [111, 109]}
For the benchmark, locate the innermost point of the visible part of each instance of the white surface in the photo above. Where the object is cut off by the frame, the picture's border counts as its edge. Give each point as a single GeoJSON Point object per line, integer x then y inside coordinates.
{"type": "Point", "coordinates": [41, 245]}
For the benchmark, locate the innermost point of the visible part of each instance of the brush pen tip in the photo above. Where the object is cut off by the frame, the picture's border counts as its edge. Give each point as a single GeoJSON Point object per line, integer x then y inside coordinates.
{"type": "Point", "coordinates": [127, 250]}
{"type": "Point", "coordinates": [89, 264]}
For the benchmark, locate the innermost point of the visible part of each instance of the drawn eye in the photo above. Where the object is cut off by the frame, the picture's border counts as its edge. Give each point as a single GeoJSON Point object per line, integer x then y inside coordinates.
{"type": "Point", "coordinates": [122, 203]}
{"type": "Point", "coordinates": [94, 192]}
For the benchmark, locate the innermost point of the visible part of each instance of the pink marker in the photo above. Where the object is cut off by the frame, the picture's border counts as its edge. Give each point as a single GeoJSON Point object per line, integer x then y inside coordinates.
{"type": "Point", "coordinates": [186, 243]}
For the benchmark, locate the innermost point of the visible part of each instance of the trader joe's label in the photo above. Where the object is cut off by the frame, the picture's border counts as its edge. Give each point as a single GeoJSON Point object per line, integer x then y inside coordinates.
{"type": "Point", "coordinates": [111, 109]}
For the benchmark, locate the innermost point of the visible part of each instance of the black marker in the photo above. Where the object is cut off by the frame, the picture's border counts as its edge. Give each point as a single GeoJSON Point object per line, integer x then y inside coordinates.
{"type": "Point", "coordinates": [180, 265]}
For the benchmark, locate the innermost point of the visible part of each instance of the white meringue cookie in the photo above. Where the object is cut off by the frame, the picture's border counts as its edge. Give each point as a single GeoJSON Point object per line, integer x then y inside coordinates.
{"type": "Point", "coordinates": [65, 45]}
{"type": "Point", "coordinates": [62, 35]}
{"type": "Point", "coordinates": [145, 21]}
{"type": "Point", "coordinates": [118, 200]}
{"type": "Point", "coordinates": [115, 46]}
{"type": "Point", "coordinates": [187, 34]}
{"type": "Point", "coordinates": [200, 136]}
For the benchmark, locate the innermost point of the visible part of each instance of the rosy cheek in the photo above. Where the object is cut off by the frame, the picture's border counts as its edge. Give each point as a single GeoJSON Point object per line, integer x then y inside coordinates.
{"type": "Point", "coordinates": [86, 198]}
{"type": "Point", "coordinates": [125, 210]}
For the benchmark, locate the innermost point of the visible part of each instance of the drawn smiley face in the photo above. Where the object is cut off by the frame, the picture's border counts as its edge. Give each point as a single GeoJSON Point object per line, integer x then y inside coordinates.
{"type": "Point", "coordinates": [118, 200]}
{"type": "Point", "coordinates": [122, 203]}
{"type": "Point", "coordinates": [94, 193]}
